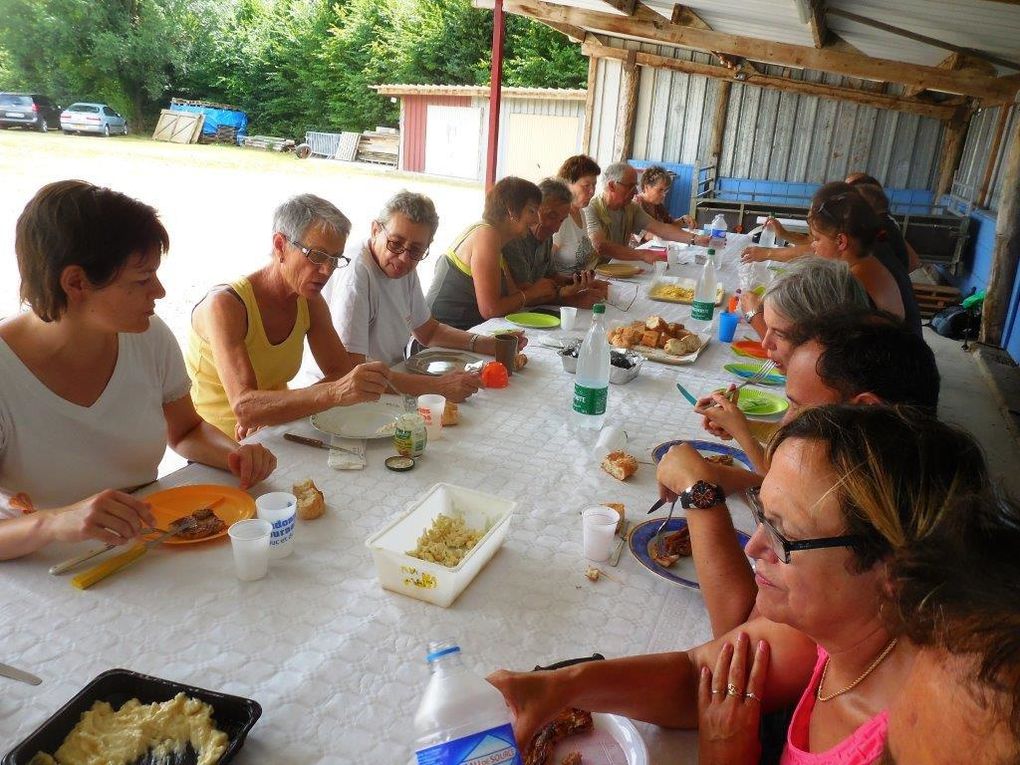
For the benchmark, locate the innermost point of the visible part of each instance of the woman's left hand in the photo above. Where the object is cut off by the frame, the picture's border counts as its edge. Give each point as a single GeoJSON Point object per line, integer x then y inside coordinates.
{"type": "Point", "coordinates": [729, 705]}
{"type": "Point", "coordinates": [251, 463]}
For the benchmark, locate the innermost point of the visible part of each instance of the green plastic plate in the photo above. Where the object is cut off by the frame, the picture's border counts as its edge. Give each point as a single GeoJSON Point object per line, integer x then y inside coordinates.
{"type": "Point", "coordinates": [758, 403]}
{"type": "Point", "coordinates": [533, 320]}
{"type": "Point", "coordinates": [747, 371]}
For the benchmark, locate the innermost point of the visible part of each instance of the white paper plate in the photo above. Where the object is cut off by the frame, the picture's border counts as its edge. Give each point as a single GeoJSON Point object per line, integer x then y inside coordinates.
{"type": "Point", "coordinates": [619, 728]}
{"type": "Point", "coordinates": [372, 419]}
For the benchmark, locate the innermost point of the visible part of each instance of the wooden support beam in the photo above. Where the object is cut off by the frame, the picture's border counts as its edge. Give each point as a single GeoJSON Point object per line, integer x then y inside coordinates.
{"type": "Point", "coordinates": [901, 32]}
{"type": "Point", "coordinates": [722, 108]}
{"type": "Point", "coordinates": [1007, 247]}
{"type": "Point", "coordinates": [649, 26]}
{"type": "Point", "coordinates": [993, 155]}
{"type": "Point", "coordinates": [575, 34]}
{"type": "Point", "coordinates": [953, 139]}
{"type": "Point", "coordinates": [685, 17]}
{"type": "Point", "coordinates": [819, 29]}
{"type": "Point", "coordinates": [877, 100]}
{"type": "Point", "coordinates": [625, 7]}
{"type": "Point", "coordinates": [623, 144]}
{"type": "Point", "coordinates": [589, 104]}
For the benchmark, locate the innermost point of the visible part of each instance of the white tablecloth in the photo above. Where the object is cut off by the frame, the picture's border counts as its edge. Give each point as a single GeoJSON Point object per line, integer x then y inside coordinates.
{"type": "Point", "coordinates": [336, 662]}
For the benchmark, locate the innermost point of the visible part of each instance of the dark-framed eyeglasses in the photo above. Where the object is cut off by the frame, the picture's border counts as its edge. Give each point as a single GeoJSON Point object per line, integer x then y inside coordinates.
{"type": "Point", "coordinates": [318, 257]}
{"type": "Point", "coordinates": [782, 546]}
{"type": "Point", "coordinates": [397, 247]}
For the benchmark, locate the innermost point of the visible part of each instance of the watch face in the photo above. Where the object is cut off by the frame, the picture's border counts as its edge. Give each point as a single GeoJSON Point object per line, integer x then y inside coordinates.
{"type": "Point", "coordinates": [704, 495]}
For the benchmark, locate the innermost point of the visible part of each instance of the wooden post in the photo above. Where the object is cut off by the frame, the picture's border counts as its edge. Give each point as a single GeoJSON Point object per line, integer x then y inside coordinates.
{"type": "Point", "coordinates": [722, 107]}
{"type": "Point", "coordinates": [495, 93]}
{"type": "Point", "coordinates": [952, 149]}
{"type": "Point", "coordinates": [993, 154]}
{"type": "Point", "coordinates": [1007, 247]}
{"type": "Point", "coordinates": [589, 104]}
{"type": "Point", "coordinates": [624, 142]}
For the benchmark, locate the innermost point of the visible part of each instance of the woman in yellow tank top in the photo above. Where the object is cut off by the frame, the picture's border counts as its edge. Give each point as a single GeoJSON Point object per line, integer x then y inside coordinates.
{"type": "Point", "coordinates": [247, 338]}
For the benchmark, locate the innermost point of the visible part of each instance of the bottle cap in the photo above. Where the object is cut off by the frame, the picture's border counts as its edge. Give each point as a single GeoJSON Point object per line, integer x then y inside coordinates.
{"type": "Point", "coordinates": [598, 308]}
{"type": "Point", "coordinates": [711, 250]}
{"type": "Point", "coordinates": [399, 463]}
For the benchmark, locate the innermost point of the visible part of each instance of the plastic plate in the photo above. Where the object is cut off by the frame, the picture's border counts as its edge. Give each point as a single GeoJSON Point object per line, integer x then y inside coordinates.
{"type": "Point", "coordinates": [532, 320]}
{"type": "Point", "coordinates": [683, 571]}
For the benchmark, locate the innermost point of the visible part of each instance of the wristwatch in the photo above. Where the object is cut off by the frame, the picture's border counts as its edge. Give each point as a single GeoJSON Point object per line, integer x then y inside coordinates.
{"type": "Point", "coordinates": [751, 314]}
{"type": "Point", "coordinates": [702, 495]}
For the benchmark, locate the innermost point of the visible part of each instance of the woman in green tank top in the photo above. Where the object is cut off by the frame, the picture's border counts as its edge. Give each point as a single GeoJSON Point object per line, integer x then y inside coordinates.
{"type": "Point", "coordinates": [470, 284]}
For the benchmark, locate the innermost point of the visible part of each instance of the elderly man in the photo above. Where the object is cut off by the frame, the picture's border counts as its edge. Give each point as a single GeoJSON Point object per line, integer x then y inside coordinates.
{"type": "Point", "coordinates": [861, 358]}
{"type": "Point", "coordinates": [529, 259]}
{"type": "Point", "coordinates": [377, 304]}
{"type": "Point", "coordinates": [613, 216]}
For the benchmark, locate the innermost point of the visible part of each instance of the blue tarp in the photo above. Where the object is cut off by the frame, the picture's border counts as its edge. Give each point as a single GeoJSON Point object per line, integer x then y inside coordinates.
{"type": "Point", "coordinates": [214, 117]}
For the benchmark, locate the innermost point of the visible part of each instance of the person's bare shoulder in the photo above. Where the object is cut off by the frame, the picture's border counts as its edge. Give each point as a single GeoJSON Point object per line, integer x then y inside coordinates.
{"type": "Point", "coordinates": [221, 311]}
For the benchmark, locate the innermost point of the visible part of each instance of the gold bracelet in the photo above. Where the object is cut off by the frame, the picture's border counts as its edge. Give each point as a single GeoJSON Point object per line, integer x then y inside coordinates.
{"type": "Point", "coordinates": [471, 343]}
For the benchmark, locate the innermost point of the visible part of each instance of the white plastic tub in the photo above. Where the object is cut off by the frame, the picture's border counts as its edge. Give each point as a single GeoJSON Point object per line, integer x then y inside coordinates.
{"type": "Point", "coordinates": [399, 572]}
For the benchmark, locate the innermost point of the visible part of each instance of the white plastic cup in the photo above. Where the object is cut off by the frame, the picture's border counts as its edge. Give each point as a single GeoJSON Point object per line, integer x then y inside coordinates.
{"type": "Point", "coordinates": [249, 540]}
{"type": "Point", "coordinates": [430, 407]}
{"type": "Point", "coordinates": [611, 439]}
{"type": "Point", "coordinates": [598, 527]}
{"type": "Point", "coordinates": [660, 268]}
{"type": "Point", "coordinates": [280, 509]}
{"type": "Point", "coordinates": [568, 317]}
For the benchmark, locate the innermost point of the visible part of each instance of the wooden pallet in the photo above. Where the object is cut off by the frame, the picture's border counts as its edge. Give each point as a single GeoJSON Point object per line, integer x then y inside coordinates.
{"type": "Point", "coordinates": [932, 298]}
{"type": "Point", "coordinates": [380, 148]}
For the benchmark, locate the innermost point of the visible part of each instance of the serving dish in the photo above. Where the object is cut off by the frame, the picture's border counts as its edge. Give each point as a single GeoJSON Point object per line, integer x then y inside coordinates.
{"type": "Point", "coordinates": [432, 582]}
{"type": "Point", "coordinates": [234, 715]}
{"type": "Point", "coordinates": [665, 282]}
{"type": "Point", "coordinates": [618, 375]}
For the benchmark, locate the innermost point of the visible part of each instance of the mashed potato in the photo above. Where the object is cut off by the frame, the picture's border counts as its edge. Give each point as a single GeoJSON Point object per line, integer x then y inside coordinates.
{"type": "Point", "coordinates": [107, 737]}
{"type": "Point", "coordinates": [446, 542]}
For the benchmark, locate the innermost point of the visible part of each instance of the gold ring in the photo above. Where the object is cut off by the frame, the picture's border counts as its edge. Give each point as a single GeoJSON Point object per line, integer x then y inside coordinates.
{"type": "Point", "coordinates": [731, 690]}
{"type": "Point", "coordinates": [752, 695]}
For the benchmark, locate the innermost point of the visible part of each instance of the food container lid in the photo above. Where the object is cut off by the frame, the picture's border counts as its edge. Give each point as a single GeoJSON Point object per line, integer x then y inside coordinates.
{"type": "Point", "coordinates": [400, 463]}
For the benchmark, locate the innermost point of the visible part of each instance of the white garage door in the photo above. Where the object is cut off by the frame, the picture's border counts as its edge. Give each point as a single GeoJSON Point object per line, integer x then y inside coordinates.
{"type": "Point", "coordinates": [537, 144]}
{"type": "Point", "coordinates": [452, 136]}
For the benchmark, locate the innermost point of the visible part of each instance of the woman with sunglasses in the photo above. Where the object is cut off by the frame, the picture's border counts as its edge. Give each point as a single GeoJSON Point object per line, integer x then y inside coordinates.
{"type": "Point", "coordinates": [845, 227]}
{"type": "Point", "coordinates": [471, 283]}
{"type": "Point", "coordinates": [846, 489]}
{"type": "Point", "coordinates": [247, 338]}
{"type": "Point", "coordinates": [92, 382]}
{"type": "Point", "coordinates": [377, 304]}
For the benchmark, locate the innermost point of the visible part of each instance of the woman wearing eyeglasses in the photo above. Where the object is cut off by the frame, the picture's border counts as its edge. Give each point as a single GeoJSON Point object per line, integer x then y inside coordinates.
{"type": "Point", "coordinates": [377, 304]}
{"type": "Point", "coordinates": [470, 283]}
{"type": "Point", "coordinates": [847, 488]}
{"type": "Point", "coordinates": [247, 338]}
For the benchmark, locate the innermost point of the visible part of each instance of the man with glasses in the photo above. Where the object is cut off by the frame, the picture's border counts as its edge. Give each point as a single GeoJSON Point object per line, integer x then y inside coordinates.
{"type": "Point", "coordinates": [378, 306]}
{"type": "Point", "coordinates": [613, 217]}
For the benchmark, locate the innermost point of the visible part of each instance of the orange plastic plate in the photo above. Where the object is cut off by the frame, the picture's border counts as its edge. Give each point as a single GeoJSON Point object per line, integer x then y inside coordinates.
{"type": "Point", "coordinates": [172, 504]}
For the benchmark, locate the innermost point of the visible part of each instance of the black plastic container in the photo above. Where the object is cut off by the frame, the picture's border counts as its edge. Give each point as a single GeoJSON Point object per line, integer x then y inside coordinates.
{"type": "Point", "coordinates": [233, 715]}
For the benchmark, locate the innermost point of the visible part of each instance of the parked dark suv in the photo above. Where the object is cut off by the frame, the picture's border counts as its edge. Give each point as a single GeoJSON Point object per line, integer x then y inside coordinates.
{"type": "Point", "coordinates": [29, 110]}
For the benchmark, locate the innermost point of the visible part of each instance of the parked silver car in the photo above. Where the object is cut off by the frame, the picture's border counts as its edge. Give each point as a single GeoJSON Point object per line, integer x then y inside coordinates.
{"type": "Point", "coordinates": [92, 118]}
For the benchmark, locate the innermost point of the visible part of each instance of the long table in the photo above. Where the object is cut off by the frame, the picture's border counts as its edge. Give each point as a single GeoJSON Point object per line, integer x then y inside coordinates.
{"type": "Point", "coordinates": [336, 662]}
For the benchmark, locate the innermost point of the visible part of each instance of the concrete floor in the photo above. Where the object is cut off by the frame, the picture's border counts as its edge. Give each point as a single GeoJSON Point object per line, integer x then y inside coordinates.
{"type": "Point", "coordinates": [970, 398]}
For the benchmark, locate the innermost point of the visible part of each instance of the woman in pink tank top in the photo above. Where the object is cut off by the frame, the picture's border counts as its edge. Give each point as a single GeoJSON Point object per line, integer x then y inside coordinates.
{"type": "Point", "coordinates": [847, 487]}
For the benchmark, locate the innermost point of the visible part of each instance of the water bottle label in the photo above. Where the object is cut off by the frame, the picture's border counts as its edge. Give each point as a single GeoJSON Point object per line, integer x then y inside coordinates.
{"type": "Point", "coordinates": [590, 400]}
{"type": "Point", "coordinates": [700, 311]}
{"type": "Point", "coordinates": [719, 233]}
{"type": "Point", "coordinates": [495, 746]}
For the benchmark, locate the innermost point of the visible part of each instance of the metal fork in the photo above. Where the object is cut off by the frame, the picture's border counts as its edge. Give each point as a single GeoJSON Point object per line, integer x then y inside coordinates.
{"type": "Point", "coordinates": [655, 537]}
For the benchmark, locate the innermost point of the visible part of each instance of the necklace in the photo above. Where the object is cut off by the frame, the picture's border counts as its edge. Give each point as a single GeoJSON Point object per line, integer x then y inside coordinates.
{"type": "Point", "coordinates": [871, 668]}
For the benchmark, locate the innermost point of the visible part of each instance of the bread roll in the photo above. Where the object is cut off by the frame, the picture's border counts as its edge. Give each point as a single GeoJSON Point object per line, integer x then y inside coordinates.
{"type": "Point", "coordinates": [619, 465]}
{"type": "Point", "coordinates": [450, 415]}
{"type": "Point", "coordinates": [621, 509]}
{"type": "Point", "coordinates": [311, 503]}
{"type": "Point", "coordinates": [520, 361]}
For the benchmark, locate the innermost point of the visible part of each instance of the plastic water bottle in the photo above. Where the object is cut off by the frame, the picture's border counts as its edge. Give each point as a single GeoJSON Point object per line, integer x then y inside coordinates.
{"type": "Point", "coordinates": [461, 718]}
{"type": "Point", "coordinates": [591, 386]}
{"type": "Point", "coordinates": [703, 305]}
{"type": "Point", "coordinates": [768, 235]}
{"type": "Point", "coordinates": [719, 229]}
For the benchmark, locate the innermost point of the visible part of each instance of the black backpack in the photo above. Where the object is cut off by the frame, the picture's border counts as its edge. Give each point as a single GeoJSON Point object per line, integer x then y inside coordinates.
{"type": "Point", "coordinates": [957, 322]}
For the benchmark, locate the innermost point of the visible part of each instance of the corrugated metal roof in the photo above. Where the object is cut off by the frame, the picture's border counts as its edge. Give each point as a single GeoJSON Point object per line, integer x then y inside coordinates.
{"type": "Point", "coordinates": [476, 91]}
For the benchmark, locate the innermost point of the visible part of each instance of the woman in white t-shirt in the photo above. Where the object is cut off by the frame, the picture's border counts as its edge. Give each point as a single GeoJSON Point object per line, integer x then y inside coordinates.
{"type": "Point", "coordinates": [92, 383]}
{"type": "Point", "coordinates": [572, 249]}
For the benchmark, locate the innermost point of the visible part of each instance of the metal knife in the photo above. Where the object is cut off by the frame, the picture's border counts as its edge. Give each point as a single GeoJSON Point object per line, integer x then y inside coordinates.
{"type": "Point", "coordinates": [614, 559]}
{"type": "Point", "coordinates": [17, 674]}
{"type": "Point", "coordinates": [316, 443]}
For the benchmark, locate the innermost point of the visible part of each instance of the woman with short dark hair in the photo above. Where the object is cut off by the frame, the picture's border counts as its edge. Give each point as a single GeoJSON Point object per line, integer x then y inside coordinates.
{"type": "Point", "coordinates": [92, 382]}
{"type": "Point", "coordinates": [470, 283]}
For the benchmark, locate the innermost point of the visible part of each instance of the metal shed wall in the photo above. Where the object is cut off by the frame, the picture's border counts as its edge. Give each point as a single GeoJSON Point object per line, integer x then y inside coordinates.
{"type": "Point", "coordinates": [413, 113]}
{"type": "Point", "coordinates": [973, 163]}
{"type": "Point", "coordinates": [770, 134]}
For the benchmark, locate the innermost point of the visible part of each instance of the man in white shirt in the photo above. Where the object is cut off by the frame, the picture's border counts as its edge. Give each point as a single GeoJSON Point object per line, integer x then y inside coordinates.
{"type": "Point", "coordinates": [377, 303]}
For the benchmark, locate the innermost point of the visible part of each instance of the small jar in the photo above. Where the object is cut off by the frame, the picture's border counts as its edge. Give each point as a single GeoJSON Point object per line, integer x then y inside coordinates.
{"type": "Point", "coordinates": [410, 437]}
